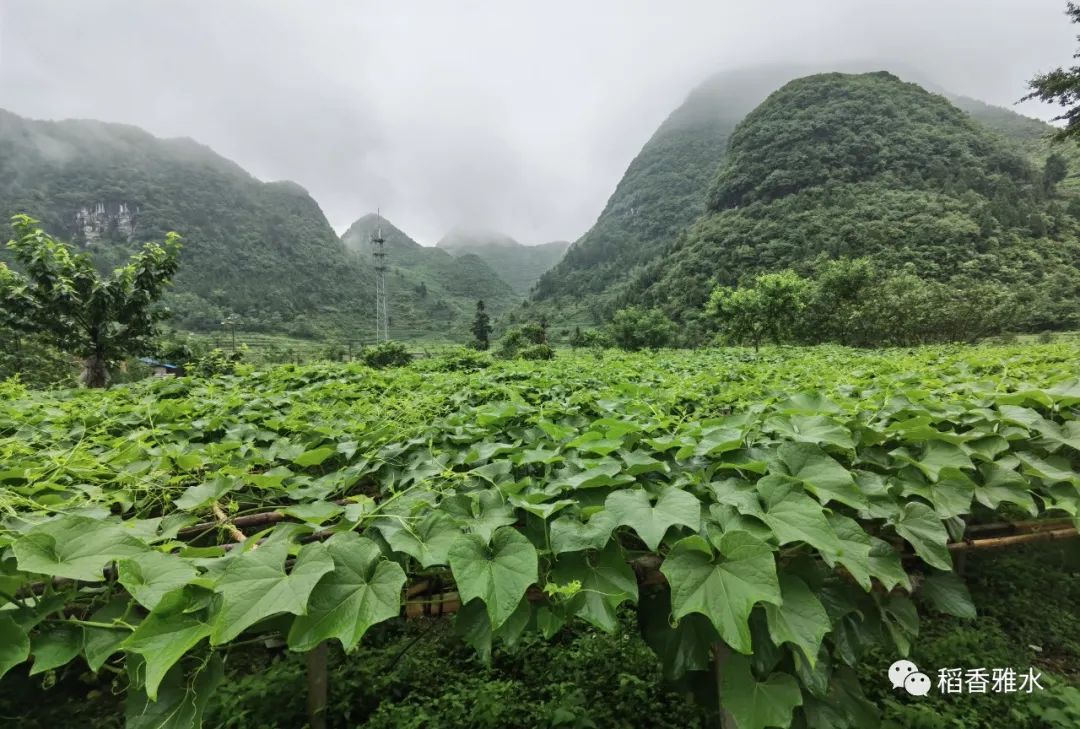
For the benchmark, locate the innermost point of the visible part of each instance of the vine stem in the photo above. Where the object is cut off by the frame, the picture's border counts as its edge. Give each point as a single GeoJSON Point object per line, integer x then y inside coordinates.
{"type": "Point", "coordinates": [223, 520]}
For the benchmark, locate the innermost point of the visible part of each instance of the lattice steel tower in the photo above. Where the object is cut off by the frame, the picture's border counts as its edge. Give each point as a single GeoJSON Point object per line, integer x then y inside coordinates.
{"type": "Point", "coordinates": [382, 311]}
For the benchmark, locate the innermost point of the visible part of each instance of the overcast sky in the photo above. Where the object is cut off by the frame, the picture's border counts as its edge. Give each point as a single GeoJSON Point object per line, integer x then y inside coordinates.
{"type": "Point", "coordinates": [515, 116]}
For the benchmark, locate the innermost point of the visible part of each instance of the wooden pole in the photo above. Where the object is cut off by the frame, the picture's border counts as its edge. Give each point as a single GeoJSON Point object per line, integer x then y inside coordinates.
{"type": "Point", "coordinates": [317, 686]}
{"type": "Point", "coordinates": [1013, 540]}
{"type": "Point", "coordinates": [720, 657]}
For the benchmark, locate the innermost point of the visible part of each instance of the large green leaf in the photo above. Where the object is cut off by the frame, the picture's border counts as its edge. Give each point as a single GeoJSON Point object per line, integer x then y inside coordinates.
{"type": "Point", "coordinates": [76, 547]}
{"type": "Point", "coordinates": [482, 512]}
{"type": "Point", "coordinates": [473, 626]}
{"type": "Point", "coordinates": [934, 457]}
{"type": "Point", "coordinates": [1004, 486]}
{"type": "Point", "coordinates": [816, 429]}
{"type": "Point", "coordinates": [100, 642]}
{"type": "Point", "coordinates": [363, 589]}
{"type": "Point", "coordinates": [793, 516]}
{"type": "Point", "coordinates": [867, 557]}
{"type": "Point", "coordinates": [947, 593]}
{"type": "Point", "coordinates": [181, 699]}
{"type": "Point", "coordinates": [14, 644]}
{"type": "Point", "coordinates": [499, 573]}
{"type": "Point", "coordinates": [200, 495]}
{"type": "Point", "coordinates": [568, 534]}
{"type": "Point", "coordinates": [800, 620]}
{"type": "Point", "coordinates": [55, 647]}
{"type": "Point", "coordinates": [426, 539]}
{"type": "Point", "coordinates": [922, 528]}
{"type": "Point", "coordinates": [606, 582]}
{"type": "Point", "coordinates": [674, 506]}
{"type": "Point", "coordinates": [148, 576]}
{"type": "Point", "coordinates": [177, 624]}
{"type": "Point", "coordinates": [683, 646]}
{"type": "Point", "coordinates": [254, 586]}
{"type": "Point", "coordinates": [723, 587]}
{"type": "Point", "coordinates": [950, 495]}
{"type": "Point", "coordinates": [757, 704]}
{"type": "Point", "coordinates": [819, 472]}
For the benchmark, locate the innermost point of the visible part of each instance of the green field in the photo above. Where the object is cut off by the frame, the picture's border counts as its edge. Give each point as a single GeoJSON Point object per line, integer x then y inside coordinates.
{"type": "Point", "coordinates": [793, 507]}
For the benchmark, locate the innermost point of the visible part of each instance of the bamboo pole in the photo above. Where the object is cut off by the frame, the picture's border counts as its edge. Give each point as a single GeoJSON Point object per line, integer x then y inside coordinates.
{"type": "Point", "coordinates": [1020, 527]}
{"type": "Point", "coordinates": [1013, 540]}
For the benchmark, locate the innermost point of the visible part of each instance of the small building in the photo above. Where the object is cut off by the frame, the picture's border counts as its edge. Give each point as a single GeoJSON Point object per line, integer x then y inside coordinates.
{"type": "Point", "coordinates": [162, 369]}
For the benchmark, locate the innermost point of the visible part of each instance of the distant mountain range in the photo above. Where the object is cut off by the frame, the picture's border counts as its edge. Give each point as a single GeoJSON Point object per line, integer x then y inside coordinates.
{"type": "Point", "coordinates": [943, 184]}
{"type": "Point", "coordinates": [427, 283]}
{"type": "Point", "coordinates": [262, 252]}
{"type": "Point", "coordinates": [519, 265]}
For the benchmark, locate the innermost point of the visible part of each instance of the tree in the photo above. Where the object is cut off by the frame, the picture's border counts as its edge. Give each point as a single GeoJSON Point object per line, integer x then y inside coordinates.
{"type": "Point", "coordinates": [577, 338]}
{"type": "Point", "coordinates": [481, 327]}
{"type": "Point", "coordinates": [767, 309]}
{"type": "Point", "coordinates": [1054, 171]}
{"type": "Point", "coordinates": [519, 339]}
{"type": "Point", "coordinates": [61, 296]}
{"type": "Point", "coordinates": [634, 328]}
{"type": "Point", "coordinates": [1062, 87]}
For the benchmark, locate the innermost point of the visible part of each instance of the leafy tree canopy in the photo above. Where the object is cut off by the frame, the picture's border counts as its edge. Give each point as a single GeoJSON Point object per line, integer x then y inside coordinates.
{"type": "Point", "coordinates": [62, 296]}
{"type": "Point", "coordinates": [1062, 87]}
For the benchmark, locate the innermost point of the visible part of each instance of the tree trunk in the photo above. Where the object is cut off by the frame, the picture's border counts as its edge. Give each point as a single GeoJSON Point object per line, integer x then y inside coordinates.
{"type": "Point", "coordinates": [94, 373]}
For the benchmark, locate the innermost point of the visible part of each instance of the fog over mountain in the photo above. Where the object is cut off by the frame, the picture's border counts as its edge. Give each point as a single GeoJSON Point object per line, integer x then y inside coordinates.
{"type": "Point", "coordinates": [519, 119]}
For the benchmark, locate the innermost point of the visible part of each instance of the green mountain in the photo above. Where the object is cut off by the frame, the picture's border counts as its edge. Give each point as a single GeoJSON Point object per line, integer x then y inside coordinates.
{"type": "Point", "coordinates": [665, 187]}
{"type": "Point", "coordinates": [838, 165]}
{"type": "Point", "coordinates": [429, 289]}
{"type": "Point", "coordinates": [662, 192]}
{"type": "Point", "coordinates": [261, 251]}
{"type": "Point", "coordinates": [519, 265]}
{"type": "Point", "coordinates": [1031, 136]}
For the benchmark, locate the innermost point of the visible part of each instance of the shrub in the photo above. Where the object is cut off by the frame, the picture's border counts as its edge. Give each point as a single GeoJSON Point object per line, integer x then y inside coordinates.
{"type": "Point", "coordinates": [459, 359]}
{"type": "Point", "coordinates": [590, 338]}
{"type": "Point", "coordinates": [522, 337]}
{"type": "Point", "coordinates": [633, 328]}
{"type": "Point", "coordinates": [214, 362]}
{"type": "Point", "coordinates": [536, 352]}
{"type": "Point", "coordinates": [387, 354]}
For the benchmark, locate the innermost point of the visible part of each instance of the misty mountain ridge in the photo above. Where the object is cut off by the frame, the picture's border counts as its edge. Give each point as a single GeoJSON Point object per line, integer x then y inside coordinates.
{"type": "Point", "coordinates": [428, 283]}
{"type": "Point", "coordinates": [109, 187]}
{"type": "Point", "coordinates": [260, 251]}
{"type": "Point", "coordinates": [519, 265]}
{"type": "Point", "coordinates": [264, 251]}
{"type": "Point", "coordinates": [664, 189]}
{"type": "Point", "coordinates": [869, 166]}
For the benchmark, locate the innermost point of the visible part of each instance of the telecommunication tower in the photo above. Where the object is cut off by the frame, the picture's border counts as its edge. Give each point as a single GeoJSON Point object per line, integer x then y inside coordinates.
{"type": "Point", "coordinates": [382, 312]}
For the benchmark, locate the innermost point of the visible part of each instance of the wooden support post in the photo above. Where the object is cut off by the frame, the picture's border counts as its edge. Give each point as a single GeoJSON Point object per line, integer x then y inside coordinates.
{"type": "Point", "coordinates": [317, 685]}
{"type": "Point", "coordinates": [720, 656]}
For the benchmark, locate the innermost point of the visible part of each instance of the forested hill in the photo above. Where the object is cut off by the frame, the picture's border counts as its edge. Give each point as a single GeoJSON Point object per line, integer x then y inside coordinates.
{"type": "Point", "coordinates": [661, 193]}
{"type": "Point", "coordinates": [1032, 137]}
{"type": "Point", "coordinates": [664, 189]}
{"type": "Point", "coordinates": [429, 288]}
{"type": "Point", "coordinates": [838, 165]}
{"type": "Point", "coordinates": [262, 251]}
{"type": "Point", "coordinates": [519, 265]}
